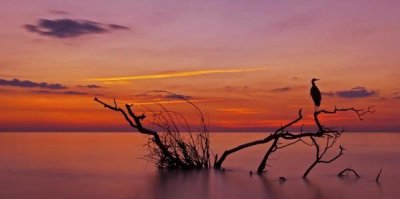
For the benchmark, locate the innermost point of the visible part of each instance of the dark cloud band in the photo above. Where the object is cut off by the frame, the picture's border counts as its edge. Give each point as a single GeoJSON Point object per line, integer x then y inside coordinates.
{"type": "Point", "coordinates": [283, 89]}
{"type": "Point", "coordinates": [329, 94]}
{"type": "Point", "coordinates": [176, 96]}
{"type": "Point", "coordinates": [357, 92]}
{"type": "Point", "coordinates": [30, 84]}
{"type": "Point", "coordinates": [89, 86]}
{"type": "Point", "coordinates": [63, 92]}
{"type": "Point", "coordinates": [67, 28]}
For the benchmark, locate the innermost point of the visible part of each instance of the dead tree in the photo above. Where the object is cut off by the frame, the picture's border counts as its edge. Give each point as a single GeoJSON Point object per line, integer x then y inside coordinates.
{"type": "Point", "coordinates": [283, 133]}
{"type": "Point", "coordinates": [169, 148]}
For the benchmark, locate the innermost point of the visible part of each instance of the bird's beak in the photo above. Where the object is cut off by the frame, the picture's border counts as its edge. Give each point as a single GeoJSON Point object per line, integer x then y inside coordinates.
{"type": "Point", "coordinates": [316, 79]}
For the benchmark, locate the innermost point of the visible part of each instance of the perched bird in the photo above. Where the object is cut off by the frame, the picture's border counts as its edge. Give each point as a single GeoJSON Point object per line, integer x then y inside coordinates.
{"type": "Point", "coordinates": [315, 93]}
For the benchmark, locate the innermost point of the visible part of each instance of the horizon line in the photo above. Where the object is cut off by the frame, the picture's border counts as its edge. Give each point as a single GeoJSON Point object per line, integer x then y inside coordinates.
{"type": "Point", "coordinates": [217, 131]}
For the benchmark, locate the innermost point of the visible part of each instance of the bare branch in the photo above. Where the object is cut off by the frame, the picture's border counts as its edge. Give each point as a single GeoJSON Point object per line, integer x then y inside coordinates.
{"type": "Point", "coordinates": [278, 133]}
{"type": "Point", "coordinates": [169, 149]}
{"type": "Point", "coordinates": [346, 171]}
{"type": "Point", "coordinates": [334, 158]}
{"type": "Point", "coordinates": [115, 108]}
{"type": "Point", "coordinates": [263, 163]}
{"type": "Point", "coordinates": [360, 112]}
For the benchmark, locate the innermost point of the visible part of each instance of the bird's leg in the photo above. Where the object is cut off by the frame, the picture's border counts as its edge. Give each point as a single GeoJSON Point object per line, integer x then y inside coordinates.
{"type": "Point", "coordinates": [316, 108]}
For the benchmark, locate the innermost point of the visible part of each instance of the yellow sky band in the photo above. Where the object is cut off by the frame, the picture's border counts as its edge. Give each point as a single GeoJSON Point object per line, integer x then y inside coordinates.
{"type": "Point", "coordinates": [175, 74]}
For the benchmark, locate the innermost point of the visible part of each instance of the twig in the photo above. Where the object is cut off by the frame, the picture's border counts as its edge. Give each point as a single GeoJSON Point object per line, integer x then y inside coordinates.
{"type": "Point", "coordinates": [378, 176]}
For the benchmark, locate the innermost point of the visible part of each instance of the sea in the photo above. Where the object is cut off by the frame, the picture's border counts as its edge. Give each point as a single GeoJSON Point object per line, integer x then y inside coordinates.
{"type": "Point", "coordinates": [113, 165]}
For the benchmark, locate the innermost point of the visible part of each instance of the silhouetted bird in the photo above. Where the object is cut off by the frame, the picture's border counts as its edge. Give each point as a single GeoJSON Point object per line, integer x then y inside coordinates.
{"type": "Point", "coordinates": [315, 94]}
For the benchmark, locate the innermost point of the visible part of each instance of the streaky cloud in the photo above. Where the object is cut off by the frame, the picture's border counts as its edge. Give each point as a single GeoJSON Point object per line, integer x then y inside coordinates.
{"type": "Point", "coordinates": [357, 92]}
{"type": "Point", "coordinates": [155, 102]}
{"type": "Point", "coordinates": [89, 86]}
{"type": "Point", "coordinates": [176, 96]}
{"type": "Point", "coordinates": [31, 84]}
{"type": "Point", "coordinates": [60, 93]}
{"type": "Point", "coordinates": [236, 89]}
{"type": "Point", "coordinates": [283, 89]}
{"type": "Point", "coordinates": [176, 74]}
{"type": "Point", "coordinates": [68, 28]}
{"type": "Point", "coordinates": [328, 94]}
{"type": "Point", "coordinates": [117, 27]}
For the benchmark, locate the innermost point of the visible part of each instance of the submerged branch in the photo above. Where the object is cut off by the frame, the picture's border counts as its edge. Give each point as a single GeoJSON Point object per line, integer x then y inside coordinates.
{"type": "Point", "coordinates": [319, 155]}
{"type": "Point", "coordinates": [346, 171]}
{"type": "Point", "coordinates": [277, 134]}
{"type": "Point", "coordinates": [169, 149]}
{"type": "Point", "coordinates": [378, 176]}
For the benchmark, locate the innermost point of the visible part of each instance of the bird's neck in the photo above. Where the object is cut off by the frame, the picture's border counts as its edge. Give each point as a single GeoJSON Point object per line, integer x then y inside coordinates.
{"type": "Point", "coordinates": [313, 83]}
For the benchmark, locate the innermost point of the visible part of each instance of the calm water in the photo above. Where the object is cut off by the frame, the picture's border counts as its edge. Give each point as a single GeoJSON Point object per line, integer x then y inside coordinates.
{"type": "Point", "coordinates": [109, 165]}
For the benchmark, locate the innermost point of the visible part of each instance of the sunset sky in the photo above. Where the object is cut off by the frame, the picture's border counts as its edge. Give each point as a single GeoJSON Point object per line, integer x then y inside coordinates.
{"type": "Point", "coordinates": [247, 64]}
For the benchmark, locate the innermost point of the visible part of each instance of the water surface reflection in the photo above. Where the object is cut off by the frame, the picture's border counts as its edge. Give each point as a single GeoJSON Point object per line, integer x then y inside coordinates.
{"type": "Point", "coordinates": [109, 166]}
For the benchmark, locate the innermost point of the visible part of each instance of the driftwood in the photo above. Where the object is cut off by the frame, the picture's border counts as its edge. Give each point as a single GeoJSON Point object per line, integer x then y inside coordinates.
{"type": "Point", "coordinates": [345, 172]}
